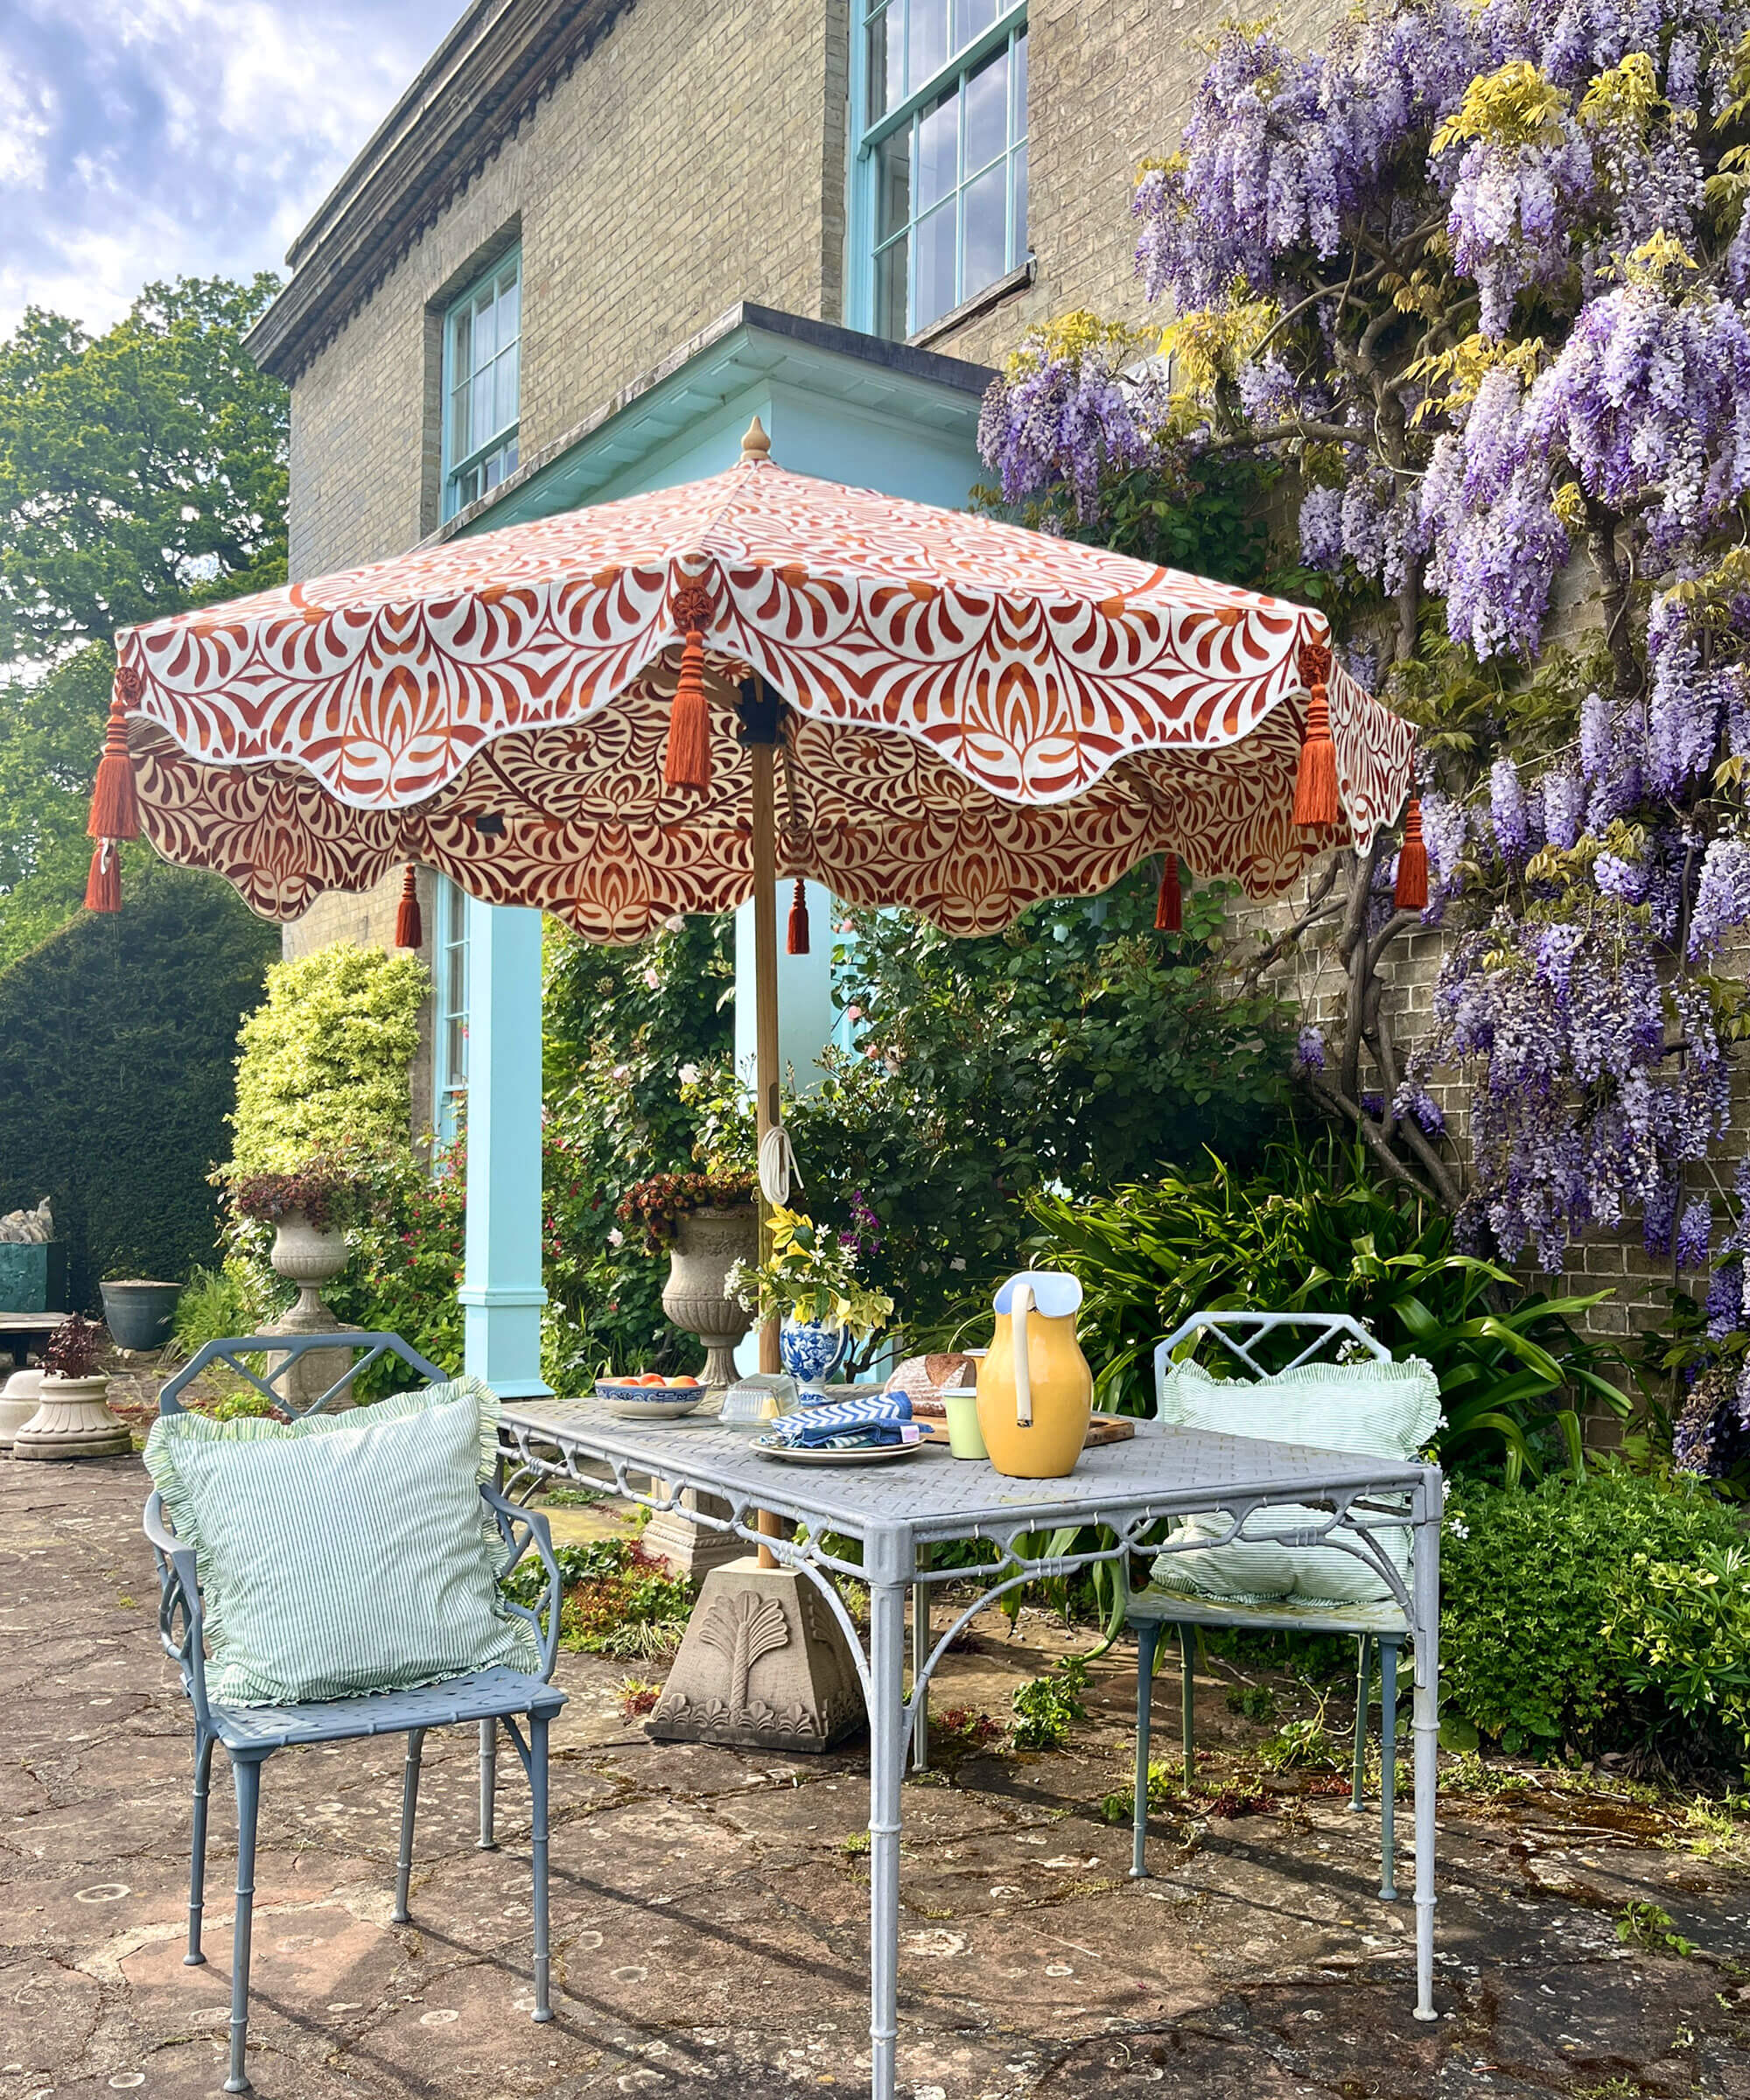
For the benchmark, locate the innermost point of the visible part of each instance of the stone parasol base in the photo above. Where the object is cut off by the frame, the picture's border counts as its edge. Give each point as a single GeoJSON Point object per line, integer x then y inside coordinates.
{"type": "Point", "coordinates": [765, 1666]}
{"type": "Point", "coordinates": [311, 1374]}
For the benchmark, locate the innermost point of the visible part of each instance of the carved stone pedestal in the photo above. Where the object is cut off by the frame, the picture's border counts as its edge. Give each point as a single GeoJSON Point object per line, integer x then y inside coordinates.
{"type": "Point", "coordinates": [764, 1666]}
{"type": "Point", "coordinates": [684, 1546]}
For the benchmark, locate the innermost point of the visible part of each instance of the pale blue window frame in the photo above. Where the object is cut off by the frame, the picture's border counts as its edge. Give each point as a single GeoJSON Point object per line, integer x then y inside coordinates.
{"type": "Point", "coordinates": [450, 1010]}
{"type": "Point", "coordinates": [482, 383]}
{"type": "Point", "coordinates": [939, 183]}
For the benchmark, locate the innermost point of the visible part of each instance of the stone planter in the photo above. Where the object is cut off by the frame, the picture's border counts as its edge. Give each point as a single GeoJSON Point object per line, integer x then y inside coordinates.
{"type": "Point", "coordinates": [139, 1314]}
{"type": "Point", "coordinates": [72, 1421]}
{"type": "Point", "coordinates": [309, 1256]}
{"type": "Point", "coordinates": [20, 1398]}
{"type": "Point", "coordinates": [707, 1243]}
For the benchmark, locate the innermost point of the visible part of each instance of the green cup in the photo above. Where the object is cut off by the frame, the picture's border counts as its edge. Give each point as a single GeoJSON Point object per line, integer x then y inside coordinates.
{"type": "Point", "coordinates": [964, 1437]}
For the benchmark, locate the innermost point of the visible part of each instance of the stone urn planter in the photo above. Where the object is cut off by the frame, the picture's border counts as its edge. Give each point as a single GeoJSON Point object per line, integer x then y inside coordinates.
{"type": "Point", "coordinates": [138, 1313]}
{"type": "Point", "coordinates": [708, 1242]}
{"type": "Point", "coordinates": [309, 1256]}
{"type": "Point", "coordinates": [72, 1421]}
{"type": "Point", "coordinates": [20, 1398]}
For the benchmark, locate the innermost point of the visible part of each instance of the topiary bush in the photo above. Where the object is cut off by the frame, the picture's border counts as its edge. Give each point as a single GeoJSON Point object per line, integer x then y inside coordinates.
{"type": "Point", "coordinates": [116, 1078]}
{"type": "Point", "coordinates": [1607, 1612]}
{"type": "Point", "coordinates": [325, 1060]}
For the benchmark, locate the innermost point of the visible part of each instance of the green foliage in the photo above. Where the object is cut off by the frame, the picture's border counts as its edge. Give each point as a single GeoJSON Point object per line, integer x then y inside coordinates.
{"type": "Point", "coordinates": [1255, 1702]}
{"type": "Point", "coordinates": [1046, 1708]}
{"type": "Point", "coordinates": [140, 470]}
{"type": "Point", "coordinates": [118, 1073]}
{"type": "Point", "coordinates": [326, 1058]}
{"type": "Point", "coordinates": [406, 1263]}
{"type": "Point", "coordinates": [615, 1601]}
{"type": "Point", "coordinates": [1612, 1609]}
{"type": "Point", "coordinates": [217, 1304]}
{"type": "Point", "coordinates": [1312, 1231]}
{"type": "Point", "coordinates": [1644, 1925]}
{"type": "Point", "coordinates": [1079, 1048]}
{"type": "Point", "coordinates": [1208, 516]}
{"type": "Point", "coordinates": [1301, 1746]}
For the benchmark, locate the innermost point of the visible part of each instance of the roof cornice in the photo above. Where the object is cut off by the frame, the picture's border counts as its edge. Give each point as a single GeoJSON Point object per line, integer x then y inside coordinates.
{"type": "Point", "coordinates": [484, 82]}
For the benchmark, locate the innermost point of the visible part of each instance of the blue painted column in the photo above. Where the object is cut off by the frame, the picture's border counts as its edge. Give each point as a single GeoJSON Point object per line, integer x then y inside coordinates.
{"type": "Point", "coordinates": [501, 1293]}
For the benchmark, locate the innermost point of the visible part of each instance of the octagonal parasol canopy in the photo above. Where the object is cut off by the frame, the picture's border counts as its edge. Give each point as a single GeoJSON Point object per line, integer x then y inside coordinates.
{"type": "Point", "coordinates": [972, 716]}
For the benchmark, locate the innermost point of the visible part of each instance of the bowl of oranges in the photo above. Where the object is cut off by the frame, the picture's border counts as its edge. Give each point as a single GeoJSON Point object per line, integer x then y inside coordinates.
{"type": "Point", "coordinates": [648, 1396]}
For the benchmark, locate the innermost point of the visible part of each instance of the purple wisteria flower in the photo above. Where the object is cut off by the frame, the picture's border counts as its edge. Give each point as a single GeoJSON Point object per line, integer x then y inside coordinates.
{"type": "Point", "coordinates": [1695, 1230]}
{"type": "Point", "coordinates": [1309, 1050]}
{"type": "Point", "coordinates": [1508, 811]}
{"type": "Point", "coordinates": [1725, 1300]}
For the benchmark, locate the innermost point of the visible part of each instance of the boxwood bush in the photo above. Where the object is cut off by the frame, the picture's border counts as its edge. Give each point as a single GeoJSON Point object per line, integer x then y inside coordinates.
{"type": "Point", "coordinates": [1607, 1612]}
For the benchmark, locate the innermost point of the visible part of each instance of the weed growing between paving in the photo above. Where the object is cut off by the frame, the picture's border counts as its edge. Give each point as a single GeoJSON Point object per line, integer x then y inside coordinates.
{"type": "Point", "coordinates": [615, 1599]}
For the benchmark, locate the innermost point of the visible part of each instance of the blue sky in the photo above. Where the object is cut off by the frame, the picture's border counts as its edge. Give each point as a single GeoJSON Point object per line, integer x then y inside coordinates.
{"type": "Point", "coordinates": [149, 138]}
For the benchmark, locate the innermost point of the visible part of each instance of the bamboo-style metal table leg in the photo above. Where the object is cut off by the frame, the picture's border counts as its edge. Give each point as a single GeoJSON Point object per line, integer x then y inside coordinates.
{"type": "Point", "coordinates": [920, 1648]}
{"type": "Point", "coordinates": [887, 1767]}
{"type": "Point", "coordinates": [1425, 1726]}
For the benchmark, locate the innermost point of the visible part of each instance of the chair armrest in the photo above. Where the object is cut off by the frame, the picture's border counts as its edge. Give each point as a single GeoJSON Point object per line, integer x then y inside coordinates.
{"type": "Point", "coordinates": [1236, 1327]}
{"type": "Point", "coordinates": [519, 1529]}
{"type": "Point", "coordinates": [181, 1623]}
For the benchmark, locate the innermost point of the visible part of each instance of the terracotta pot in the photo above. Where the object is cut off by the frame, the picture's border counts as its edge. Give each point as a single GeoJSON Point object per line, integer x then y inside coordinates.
{"type": "Point", "coordinates": [73, 1421]}
{"type": "Point", "coordinates": [708, 1242]}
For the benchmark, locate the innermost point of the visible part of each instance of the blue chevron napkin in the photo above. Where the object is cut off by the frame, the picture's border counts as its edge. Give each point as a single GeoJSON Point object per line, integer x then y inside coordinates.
{"type": "Point", "coordinates": [878, 1417]}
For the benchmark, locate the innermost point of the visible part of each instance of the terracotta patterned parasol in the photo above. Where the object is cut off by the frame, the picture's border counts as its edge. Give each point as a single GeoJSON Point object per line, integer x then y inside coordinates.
{"type": "Point", "coordinates": [974, 717]}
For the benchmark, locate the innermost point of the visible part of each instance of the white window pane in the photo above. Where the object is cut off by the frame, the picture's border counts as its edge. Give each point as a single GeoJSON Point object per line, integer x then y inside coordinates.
{"type": "Point", "coordinates": [987, 212]}
{"type": "Point", "coordinates": [509, 309]}
{"type": "Point", "coordinates": [971, 19]}
{"type": "Point", "coordinates": [1018, 123]}
{"type": "Point", "coordinates": [987, 112]}
{"type": "Point", "coordinates": [481, 406]}
{"type": "Point", "coordinates": [460, 443]}
{"type": "Point", "coordinates": [486, 336]}
{"type": "Point", "coordinates": [461, 335]}
{"type": "Point", "coordinates": [890, 291]}
{"type": "Point", "coordinates": [928, 52]}
{"type": "Point", "coordinates": [456, 1050]}
{"type": "Point", "coordinates": [935, 266]}
{"type": "Point", "coordinates": [938, 143]}
{"type": "Point", "coordinates": [510, 453]}
{"type": "Point", "coordinates": [504, 386]}
{"type": "Point", "coordinates": [892, 182]}
{"type": "Point", "coordinates": [1017, 177]}
{"type": "Point", "coordinates": [886, 53]}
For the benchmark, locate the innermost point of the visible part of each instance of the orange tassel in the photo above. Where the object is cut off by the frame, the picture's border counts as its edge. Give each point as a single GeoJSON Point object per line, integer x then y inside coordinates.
{"type": "Point", "coordinates": [1169, 906]}
{"type": "Point", "coordinates": [1411, 893]}
{"type": "Point", "coordinates": [114, 808]}
{"type": "Point", "coordinates": [103, 884]}
{"type": "Point", "coordinates": [689, 762]}
{"type": "Point", "coordinates": [1315, 785]}
{"type": "Point", "coordinates": [797, 943]}
{"type": "Point", "coordinates": [408, 931]}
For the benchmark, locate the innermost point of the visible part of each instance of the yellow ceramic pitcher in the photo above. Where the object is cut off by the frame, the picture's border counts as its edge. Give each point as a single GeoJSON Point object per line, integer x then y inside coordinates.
{"type": "Point", "coordinates": [1035, 1390]}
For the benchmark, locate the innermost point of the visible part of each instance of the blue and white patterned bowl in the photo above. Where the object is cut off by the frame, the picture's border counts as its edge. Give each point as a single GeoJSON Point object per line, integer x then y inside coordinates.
{"type": "Point", "coordinates": [648, 1402]}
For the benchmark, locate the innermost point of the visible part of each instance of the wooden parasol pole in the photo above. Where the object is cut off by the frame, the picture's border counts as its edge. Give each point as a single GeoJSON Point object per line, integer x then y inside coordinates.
{"type": "Point", "coordinates": [761, 757]}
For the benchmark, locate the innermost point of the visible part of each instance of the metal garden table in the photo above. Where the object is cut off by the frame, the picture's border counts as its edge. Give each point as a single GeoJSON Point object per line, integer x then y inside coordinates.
{"type": "Point", "coordinates": [900, 1512]}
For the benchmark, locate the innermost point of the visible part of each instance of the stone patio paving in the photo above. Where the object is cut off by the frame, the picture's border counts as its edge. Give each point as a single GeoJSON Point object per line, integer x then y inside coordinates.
{"type": "Point", "coordinates": [710, 1906]}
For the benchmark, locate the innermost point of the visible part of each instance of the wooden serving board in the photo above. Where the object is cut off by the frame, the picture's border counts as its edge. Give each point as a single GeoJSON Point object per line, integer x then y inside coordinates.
{"type": "Point", "coordinates": [1103, 1429]}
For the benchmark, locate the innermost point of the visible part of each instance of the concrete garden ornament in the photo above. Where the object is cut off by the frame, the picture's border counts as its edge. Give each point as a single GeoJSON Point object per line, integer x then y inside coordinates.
{"type": "Point", "coordinates": [73, 1419]}
{"type": "Point", "coordinates": [28, 1228]}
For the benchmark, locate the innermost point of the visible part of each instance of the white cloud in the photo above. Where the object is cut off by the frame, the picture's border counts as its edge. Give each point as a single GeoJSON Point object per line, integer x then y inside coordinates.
{"type": "Point", "coordinates": [147, 138]}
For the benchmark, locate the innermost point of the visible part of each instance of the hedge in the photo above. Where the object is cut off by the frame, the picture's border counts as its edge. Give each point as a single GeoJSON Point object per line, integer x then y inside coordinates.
{"type": "Point", "coordinates": [117, 1044]}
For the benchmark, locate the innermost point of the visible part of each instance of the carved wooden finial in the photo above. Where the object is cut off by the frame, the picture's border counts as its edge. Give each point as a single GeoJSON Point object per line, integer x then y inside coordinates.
{"type": "Point", "coordinates": [756, 446]}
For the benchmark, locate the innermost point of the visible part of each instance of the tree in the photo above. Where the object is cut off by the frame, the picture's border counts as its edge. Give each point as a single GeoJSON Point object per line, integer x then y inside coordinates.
{"type": "Point", "coordinates": [141, 471]}
{"type": "Point", "coordinates": [1478, 277]}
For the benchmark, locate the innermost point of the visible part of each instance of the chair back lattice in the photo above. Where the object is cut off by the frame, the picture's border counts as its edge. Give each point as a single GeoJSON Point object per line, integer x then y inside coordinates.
{"type": "Point", "coordinates": [1251, 1340]}
{"type": "Point", "coordinates": [287, 1348]}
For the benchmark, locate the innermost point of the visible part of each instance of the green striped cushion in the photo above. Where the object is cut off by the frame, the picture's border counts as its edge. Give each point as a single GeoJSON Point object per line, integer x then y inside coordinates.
{"type": "Point", "coordinates": [1377, 1408]}
{"type": "Point", "coordinates": [343, 1553]}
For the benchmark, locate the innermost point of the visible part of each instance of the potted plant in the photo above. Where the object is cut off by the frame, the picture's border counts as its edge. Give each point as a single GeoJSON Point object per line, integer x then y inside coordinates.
{"type": "Point", "coordinates": [139, 1311]}
{"type": "Point", "coordinates": [73, 1420]}
{"type": "Point", "coordinates": [707, 1223]}
{"type": "Point", "coordinates": [309, 1210]}
{"type": "Point", "coordinates": [811, 1284]}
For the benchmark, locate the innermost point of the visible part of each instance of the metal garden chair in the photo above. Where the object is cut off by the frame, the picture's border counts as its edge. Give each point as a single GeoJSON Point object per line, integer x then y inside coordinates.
{"type": "Point", "coordinates": [251, 1734]}
{"type": "Point", "coordinates": [1384, 1626]}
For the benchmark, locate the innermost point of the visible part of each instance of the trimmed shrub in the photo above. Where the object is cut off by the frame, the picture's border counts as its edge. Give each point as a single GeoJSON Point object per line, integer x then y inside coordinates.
{"type": "Point", "coordinates": [116, 1076]}
{"type": "Point", "coordinates": [1608, 1610]}
{"type": "Point", "coordinates": [325, 1060]}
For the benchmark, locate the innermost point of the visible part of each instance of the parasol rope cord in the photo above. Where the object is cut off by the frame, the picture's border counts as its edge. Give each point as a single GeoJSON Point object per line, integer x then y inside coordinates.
{"type": "Point", "coordinates": [777, 1167]}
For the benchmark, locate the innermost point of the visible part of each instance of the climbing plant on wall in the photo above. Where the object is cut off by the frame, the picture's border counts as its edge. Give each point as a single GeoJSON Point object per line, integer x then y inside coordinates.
{"type": "Point", "coordinates": [1477, 276]}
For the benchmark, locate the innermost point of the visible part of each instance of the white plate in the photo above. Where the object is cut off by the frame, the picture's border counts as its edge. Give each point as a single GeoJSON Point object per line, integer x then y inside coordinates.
{"type": "Point", "coordinates": [797, 1454]}
{"type": "Point", "coordinates": [670, 1409]}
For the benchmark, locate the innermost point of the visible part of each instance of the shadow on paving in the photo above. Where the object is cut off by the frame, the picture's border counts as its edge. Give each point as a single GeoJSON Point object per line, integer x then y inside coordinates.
{"type": "Point", "coordinates": [709, 1907]}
